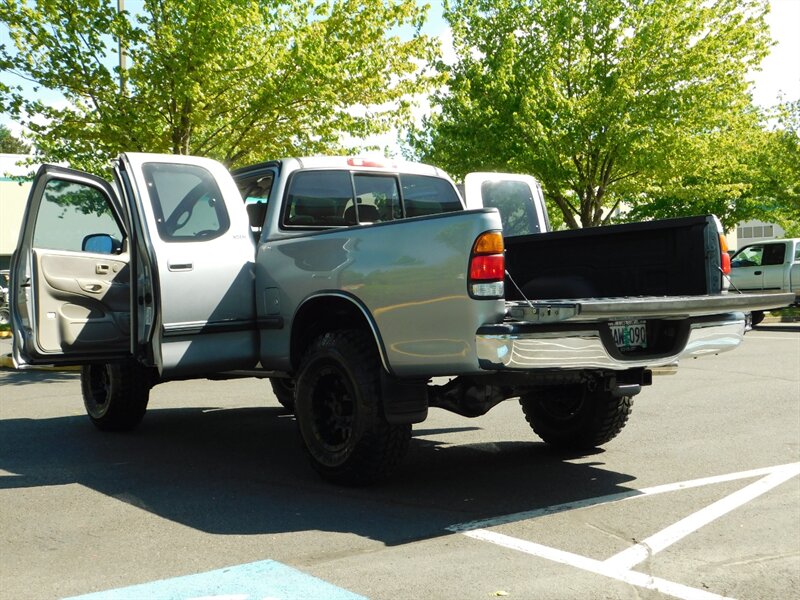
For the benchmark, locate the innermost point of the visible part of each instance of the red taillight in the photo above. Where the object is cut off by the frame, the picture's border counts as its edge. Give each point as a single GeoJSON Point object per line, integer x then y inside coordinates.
{"type": "Point", "coordinates": [726, 258]}
{"type": "Point", "coordinates": [726, 263]}
{"type": "Point", "coordinates": [487, 266]}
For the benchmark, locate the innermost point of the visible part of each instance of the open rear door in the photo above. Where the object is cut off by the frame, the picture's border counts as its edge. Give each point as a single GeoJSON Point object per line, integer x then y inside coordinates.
{"type": "Point", "coordinates": [70, 290]}
{"type": "Point", "coordinates": [195, 259]}
{"type": "Point", "coordinates": [518, 198]}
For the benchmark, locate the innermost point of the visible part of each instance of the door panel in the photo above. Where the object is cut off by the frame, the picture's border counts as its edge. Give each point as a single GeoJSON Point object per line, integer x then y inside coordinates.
{"type": "Point", "coordinates": [82, 300]}
{"type": "Point", "coordinates": [70, 304]}
{"type": "Point", "coordinates": [774, 265]}
{"type": "Point", "coordinates": [199, 264]}
{"type": "Point", "coordinates": [747, 274]}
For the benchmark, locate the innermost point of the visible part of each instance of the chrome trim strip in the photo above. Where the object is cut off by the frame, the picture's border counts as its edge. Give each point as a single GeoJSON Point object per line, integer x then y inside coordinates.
{"type": "Point", "coordinates": [585, 350]}
{"type": "Point", "coordinates": [196, 327]}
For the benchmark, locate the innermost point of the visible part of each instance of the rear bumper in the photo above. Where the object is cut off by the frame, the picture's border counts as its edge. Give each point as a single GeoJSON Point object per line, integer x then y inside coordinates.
{"type": "Point", "coordinates": [590, 346]}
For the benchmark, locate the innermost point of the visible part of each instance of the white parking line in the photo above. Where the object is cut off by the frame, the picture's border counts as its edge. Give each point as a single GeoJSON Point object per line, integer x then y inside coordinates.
{"type": "Point", "coordinates": [619, 566]}
{"type": "Point", "coordinates": [595, 566]}
{"type": "Point", "coordinates": [631, 557]}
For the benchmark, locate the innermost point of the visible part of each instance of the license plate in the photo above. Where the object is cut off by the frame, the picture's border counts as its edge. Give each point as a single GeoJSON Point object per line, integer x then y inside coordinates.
{"type": "Point", "coordinates": [629, 334]}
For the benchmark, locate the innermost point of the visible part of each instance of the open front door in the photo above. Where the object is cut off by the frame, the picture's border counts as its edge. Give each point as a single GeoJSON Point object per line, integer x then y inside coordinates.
{"type": "Point", "coordinates": [195, 311]}
{"type": "Point", "coordinates": [70, 279]}
{"type": "Point", "coordinates": [518, 198]}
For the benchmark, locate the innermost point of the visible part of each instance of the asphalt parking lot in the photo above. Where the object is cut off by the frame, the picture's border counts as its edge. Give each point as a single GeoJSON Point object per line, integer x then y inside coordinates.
{"type": "Point", "coordinates": [699, 497]}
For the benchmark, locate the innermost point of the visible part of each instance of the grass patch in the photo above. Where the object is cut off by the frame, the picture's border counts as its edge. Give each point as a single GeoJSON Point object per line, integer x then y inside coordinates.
{"type": "Point", "coordinates": [791, 313]}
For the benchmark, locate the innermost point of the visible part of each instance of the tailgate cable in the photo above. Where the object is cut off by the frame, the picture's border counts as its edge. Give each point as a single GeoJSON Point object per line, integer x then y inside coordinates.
{"type": "Point", "coordinates": [728, 277]}
{"type": "Point", "coordinates": [514, 283]}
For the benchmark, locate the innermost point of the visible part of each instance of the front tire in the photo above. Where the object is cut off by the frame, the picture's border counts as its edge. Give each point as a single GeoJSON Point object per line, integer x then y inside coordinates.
{"type": "Point", "coordinates": [284, 389]}
{"type": "Point", "coordinates": [756, 317]}
{"type": "Point", "coordinates": [340, 414]}
{"type": "Point", "coordinates": [115, 395]}
{"type": "Point", "coordinates": [574, 417]}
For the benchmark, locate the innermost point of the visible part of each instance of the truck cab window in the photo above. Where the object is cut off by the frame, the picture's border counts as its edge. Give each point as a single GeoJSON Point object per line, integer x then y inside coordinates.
{"type": "Point", "coordinates": [774, 254]}
{"type": "Point", "coordinates": [255, 192]}
{"type": "Point", "coordinates": [424, 195]}
{"type": "Point", "coordinates": [377, 199]}
{"type": "Point", "coordinates": [70, 213]}
{"type": "Point", "coordinates": [749, 257]}
{"type": "Point", "coordinates": [187, 202]}
{"type": "Point", "coordinates": [319, 199]}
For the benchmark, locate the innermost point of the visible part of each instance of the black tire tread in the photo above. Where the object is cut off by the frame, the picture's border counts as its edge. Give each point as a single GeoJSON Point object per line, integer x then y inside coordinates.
{"type": "Point", "coordinates": [284, 395]}
{"type": "Point", "coordinates": [128, 397]}
{"type": "Point", "coordinates": [382, 445]}
{"type": "Point", "coordinates": [602, 417]}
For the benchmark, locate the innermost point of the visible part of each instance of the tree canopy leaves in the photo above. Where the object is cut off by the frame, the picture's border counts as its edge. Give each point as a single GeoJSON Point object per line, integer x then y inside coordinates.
{"type": "Point", "coordinates": [748, 171]}
{"type": "Point", "coordinates": [237, 80]}
{"type": "Point", "coordinates": [10, 144]}
{"type": "Point", "coordinates": [602, 101]}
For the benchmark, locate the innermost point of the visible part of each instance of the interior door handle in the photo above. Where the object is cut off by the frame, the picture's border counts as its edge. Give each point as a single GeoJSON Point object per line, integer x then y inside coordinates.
{"type": "Point", "coordinates": [101, 269]}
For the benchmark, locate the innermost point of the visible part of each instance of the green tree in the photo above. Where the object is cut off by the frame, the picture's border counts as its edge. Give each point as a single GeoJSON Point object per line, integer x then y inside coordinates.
{"type": "Point", "coordinates": [750, 170]}
{"type": "Point", "coordinates": [10, 144]}
{"type": "Point", "coordinates": [598, 99]}
{"type": "Point", "coordinates": [237, 80]}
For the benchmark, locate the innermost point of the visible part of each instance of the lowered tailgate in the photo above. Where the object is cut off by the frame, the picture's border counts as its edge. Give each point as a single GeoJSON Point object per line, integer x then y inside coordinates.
{"type": "Point", "coordinates": [548, 311]}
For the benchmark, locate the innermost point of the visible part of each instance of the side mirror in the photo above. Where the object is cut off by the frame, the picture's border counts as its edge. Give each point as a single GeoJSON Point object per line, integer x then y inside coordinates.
{"type": "Point", "coordinates": [100, 243]}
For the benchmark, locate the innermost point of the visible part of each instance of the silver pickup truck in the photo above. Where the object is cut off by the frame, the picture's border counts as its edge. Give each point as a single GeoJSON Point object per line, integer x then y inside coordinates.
{"type": "Point", "coordinates": [352, 284]}
{"type": "Point", "coordinates": [768, 266]}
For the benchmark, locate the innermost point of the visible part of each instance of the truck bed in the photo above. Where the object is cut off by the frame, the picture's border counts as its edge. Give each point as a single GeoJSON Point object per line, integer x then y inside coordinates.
{"type": "Point", "coordinates": [673, 257]}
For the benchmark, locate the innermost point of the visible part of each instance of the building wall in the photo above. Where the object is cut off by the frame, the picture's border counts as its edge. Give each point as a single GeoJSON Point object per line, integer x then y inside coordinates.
{"type": "Point", "coordinates": [748, 232]}
{"type": "Point", "coordinates": [13, 197]}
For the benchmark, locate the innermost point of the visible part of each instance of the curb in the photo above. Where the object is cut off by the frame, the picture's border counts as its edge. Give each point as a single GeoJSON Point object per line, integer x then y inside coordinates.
{"type": "Point", "coordinates": [6, 362]}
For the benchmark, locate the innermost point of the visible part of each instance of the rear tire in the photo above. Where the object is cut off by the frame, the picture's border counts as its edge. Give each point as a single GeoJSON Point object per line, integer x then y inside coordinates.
{"type": "Point", "coordinates": [756, 317]}
{"type": "Point", "coordinates": [115, 395]}
{"type": "Point", "coordinates": [5, 315]}
{"type": "Point", "coordinates": [284, 389]}
{"type": "Point", "coordinates": [574, 417]}
{"type": "Point", "coordinates": [340, 414]}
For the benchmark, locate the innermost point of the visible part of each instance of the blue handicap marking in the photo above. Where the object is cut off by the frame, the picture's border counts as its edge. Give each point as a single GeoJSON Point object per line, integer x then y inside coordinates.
{"type": "Point", "coordinates": [263, 580]}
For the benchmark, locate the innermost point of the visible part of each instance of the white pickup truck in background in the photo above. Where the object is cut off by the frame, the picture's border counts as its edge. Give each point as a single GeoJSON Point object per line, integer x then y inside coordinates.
{"type": "Point", "coordinates": [769, 266]}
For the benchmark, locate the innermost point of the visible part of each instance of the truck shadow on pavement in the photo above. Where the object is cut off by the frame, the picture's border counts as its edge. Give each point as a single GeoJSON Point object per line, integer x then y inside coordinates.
{"type": "Point", "coordinates": [784, 328]}
{"type": "Point", "coordinates": [242, 471]}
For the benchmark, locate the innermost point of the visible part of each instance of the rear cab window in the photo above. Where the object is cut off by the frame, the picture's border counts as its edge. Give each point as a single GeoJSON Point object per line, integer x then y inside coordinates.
{"type": "Point", "coordinates": [321, 199]}
{"type": "Point", "coordinates": [187, 202]}
{"type": "Point", "coordinates": [774, 254]}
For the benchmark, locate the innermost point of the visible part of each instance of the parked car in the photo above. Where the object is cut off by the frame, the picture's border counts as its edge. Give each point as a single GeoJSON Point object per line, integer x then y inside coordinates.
{"type": "Point", "coordinates": [770, 266]}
